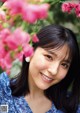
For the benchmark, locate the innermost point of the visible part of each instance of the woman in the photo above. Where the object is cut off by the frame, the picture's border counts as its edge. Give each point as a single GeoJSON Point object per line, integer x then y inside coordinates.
{"type": "Point", "coordinates": [50, 81]}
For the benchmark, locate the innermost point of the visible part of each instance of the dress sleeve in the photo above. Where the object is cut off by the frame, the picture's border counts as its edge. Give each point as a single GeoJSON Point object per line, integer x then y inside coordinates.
{"type": "Point", "coordinates": [5, 90]}
{"type": "Point", "coordinates": [78, 111]}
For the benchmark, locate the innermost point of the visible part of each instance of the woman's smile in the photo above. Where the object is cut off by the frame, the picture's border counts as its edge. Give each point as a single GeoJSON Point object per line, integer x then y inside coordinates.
{"type": "Point", "coordinates": [46, 78]}
{"type": "Point", "coordinates": [48, 67]}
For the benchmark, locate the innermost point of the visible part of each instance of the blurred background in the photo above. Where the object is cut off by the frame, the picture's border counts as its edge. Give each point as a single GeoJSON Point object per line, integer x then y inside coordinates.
{"type": "Point", "coordinates": [55, 16]}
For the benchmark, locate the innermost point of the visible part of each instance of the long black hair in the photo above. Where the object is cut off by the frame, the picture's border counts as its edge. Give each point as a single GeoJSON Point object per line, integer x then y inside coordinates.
{"type": "Point", "coordinates": [55, 36]}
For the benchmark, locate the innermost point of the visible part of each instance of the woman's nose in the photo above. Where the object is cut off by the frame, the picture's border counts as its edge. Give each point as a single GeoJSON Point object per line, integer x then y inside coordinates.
{"type": "Point", "coordinates": [53, 68]}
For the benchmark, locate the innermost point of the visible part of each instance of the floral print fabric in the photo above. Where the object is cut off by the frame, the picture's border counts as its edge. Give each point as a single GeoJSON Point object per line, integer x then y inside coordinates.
{"type": "Point", "coordinates": [17, 104]}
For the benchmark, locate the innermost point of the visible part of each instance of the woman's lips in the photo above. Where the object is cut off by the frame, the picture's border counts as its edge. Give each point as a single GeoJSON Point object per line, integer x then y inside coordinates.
{"type": "Point", "coordinates": [46, 78]}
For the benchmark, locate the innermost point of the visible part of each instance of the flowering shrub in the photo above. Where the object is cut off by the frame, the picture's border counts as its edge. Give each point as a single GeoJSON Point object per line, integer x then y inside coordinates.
{"type": "Point", "coordinates": [71, 6]}
{"type": "Point", "coordinates": [15, 40]}
{"type": "Point", "coordinates": [19, 22]}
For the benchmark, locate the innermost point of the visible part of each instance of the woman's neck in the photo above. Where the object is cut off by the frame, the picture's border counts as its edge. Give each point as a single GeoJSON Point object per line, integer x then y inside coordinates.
{"type": "Point", "coordinates": [36, 99]}
{"type": "Point", "coordinates": [35, 92]}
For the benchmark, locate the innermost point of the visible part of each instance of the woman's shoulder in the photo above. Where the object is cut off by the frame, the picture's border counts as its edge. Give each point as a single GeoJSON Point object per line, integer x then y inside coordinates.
{"type": "Point", "coordinates": [60, 111]}
{"type": "Point", "coordinates": [78, 111]}
{"type": "Point", "coordinates": [4, 80]}
{"type": "Point", "coordinates": [5, 90]}
{"type": "Point", "coordinates": [4, 76]}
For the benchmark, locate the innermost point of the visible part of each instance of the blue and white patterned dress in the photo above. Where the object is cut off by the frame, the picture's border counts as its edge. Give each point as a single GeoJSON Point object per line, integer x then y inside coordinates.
{"type": "Point", "coordinates": [17, 104]}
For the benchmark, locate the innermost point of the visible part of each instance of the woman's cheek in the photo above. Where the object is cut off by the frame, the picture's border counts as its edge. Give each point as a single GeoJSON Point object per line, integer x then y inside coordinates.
{"type": "Point", "coordinates": [62, 76]}
{"type": "Point", "coordinates": [42, 63]}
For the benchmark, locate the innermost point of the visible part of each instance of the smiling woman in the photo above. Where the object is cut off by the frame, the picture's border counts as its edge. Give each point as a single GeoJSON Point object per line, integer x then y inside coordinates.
{"type": "Point", "coordinates": [44, 82]}
{"type": "Point", "coordinates": [46, 68]}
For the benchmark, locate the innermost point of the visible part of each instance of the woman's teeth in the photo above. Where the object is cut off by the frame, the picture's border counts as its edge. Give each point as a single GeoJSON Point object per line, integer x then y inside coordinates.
{"type": "Point", "coordinates": [46, 78]}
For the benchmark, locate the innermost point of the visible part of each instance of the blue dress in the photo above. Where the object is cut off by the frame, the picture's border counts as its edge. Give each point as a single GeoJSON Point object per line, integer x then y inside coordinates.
{"type": "Point", "coordinates": [17, 104]}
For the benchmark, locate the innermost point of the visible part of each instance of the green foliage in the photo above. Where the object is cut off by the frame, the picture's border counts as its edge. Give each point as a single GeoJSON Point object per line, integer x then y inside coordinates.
{"type": "Point", "coordinates": [56, 16]}
{"type": "Point", "coordinates": [67, 20]}
{"type": "Point", "coordinates": [16, 68]}
{"type": "Point", "coordinates": [1, 3]}
{"type": "Point", "coordinates": [1, 70]}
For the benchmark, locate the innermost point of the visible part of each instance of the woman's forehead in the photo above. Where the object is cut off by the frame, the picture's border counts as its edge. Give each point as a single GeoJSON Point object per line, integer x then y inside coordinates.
{"type": "Point", "coordinates": [62, 52]}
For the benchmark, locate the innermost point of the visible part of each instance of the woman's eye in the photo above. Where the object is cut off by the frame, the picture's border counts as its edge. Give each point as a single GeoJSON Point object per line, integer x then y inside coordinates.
{"type": "Point", "coordinates": [65, 65]}
{"type": "Point", "coordinates": [49, 57]}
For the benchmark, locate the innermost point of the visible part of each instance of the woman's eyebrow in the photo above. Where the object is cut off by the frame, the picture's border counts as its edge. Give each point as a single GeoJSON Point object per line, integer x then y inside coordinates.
{"type": "Point", "coordinates": [67, 61]}
{"type": "Point", "coordinates": [51, 52]}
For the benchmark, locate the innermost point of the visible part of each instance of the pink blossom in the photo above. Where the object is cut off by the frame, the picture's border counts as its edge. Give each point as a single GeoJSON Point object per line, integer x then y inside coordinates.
{"type": "Point", "coordinates": [1, 27]}
{"type": "Point", "coordinates": [28, 50]}
{"type": "Point", "coordinates": [42, 11]}
{"type": "Point", "coordinates": [4, 33]}
{"type": "Point", "coordinates": [35, 38]}
{"type": "Point", "coordinates": [2, 16]}
{"type": "Point", "coordinates": [8, 71]}
{"type": "Point", "coordinates": [3, 0]}
{"type": "Point", "coordinates": [19, 56]}
{"type": "Point", "coordinates": [2, 50]}
{"type": "Point", "coordinates": [15, 6]}
{"type": "Point", "coordinates": [16, 39]}
{"type": "Point", "coordinates": [28, 15]}
{"type": "Point", "coordinates": [67, 7]}
{"type": "Point", "coordinates": [6, 62]}
{"type": "Point", "coordinates": [28, 12]}
{"type": "Point", "coordinates": [32, 12]}
{"type": "Point", "coordinates": [77, 9]}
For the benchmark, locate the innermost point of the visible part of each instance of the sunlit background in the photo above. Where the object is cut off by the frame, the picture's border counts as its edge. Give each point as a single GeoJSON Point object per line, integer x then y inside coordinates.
{"type": "Point", "coordinates": [39, 13]}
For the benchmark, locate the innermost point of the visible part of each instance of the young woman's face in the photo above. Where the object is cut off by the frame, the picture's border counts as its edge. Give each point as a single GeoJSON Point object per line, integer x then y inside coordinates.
{"type": "Point", "coordinates": [48, 67]}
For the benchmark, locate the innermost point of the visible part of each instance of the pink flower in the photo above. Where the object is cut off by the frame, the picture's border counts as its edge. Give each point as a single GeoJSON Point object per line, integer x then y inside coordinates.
{"type": "Point", "coordinates": [1, 27]}
{"type": "Point", "coordinates": [19, 56]}
{"type": "Point", "coordinates": [42, 11]}
{"type": "Point", "coordinates": [31, 13]}
{"type": "Point", "coordinates": [17, 38]}
{"type": "Point", "coordinates": [28, 12]}
{"type": "Point", "coordinates": [4, 33]}
{"type": "Point", "coordinates": [2, 15]}
{"type": "Point", "coordinates": [77, 9]}
{"type": "Point", "coordinates": [28, 15]}
{"type": "Point", "coordinates": [2, 50]}
{"type": "Point", "coordinates": [28, 50]}
{"type": "Point", "coordinates": [3, 0]}
{"type": "Point", "coordinates": [35, 38]}
{"type": "Point", "coordinates": [15, 6]}
{"type": "Point", "coordinates": [6, 62]}
{"type": "Point", "coordinates": [15, 41]}
{"type": "Point", "coordinates": [67, 7]}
